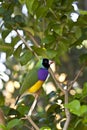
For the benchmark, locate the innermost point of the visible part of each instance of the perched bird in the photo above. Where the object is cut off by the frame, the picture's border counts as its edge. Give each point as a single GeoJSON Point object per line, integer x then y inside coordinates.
{"type": "Point", "coordinates": [35, 79]}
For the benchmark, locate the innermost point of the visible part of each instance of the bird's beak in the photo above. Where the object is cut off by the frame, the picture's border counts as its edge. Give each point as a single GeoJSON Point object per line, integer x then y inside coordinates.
{"type": "Point", "coordinates": [51, 62]}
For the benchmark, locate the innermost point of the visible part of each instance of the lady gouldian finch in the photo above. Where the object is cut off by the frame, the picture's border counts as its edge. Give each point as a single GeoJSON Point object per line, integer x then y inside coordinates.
{"type": "Point", "coordinates": [35, 79]}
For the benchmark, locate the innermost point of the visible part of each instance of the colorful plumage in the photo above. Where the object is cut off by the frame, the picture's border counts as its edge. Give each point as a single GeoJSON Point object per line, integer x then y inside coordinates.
{"type": "Point", "coordinates": [35, 79]}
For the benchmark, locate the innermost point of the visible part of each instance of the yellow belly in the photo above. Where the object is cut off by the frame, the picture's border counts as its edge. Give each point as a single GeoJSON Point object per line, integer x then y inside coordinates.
{"type": "Point", "coordinates": [35, 87]}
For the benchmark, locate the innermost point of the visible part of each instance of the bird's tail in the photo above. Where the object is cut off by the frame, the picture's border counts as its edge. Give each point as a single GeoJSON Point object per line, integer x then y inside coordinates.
{"type": "Point", "coordinates": [17, 100]}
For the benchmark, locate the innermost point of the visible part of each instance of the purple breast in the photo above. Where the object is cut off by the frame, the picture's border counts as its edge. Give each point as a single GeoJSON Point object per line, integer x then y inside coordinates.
{"type": "Point", "coordinates": [42, 74]}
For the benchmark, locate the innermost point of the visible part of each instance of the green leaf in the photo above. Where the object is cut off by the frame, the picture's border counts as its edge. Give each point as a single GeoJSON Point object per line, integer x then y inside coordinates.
{"type": "Point", "coordinates": [18, 51]}
{"type": "Point", "coordinates": [45, 53]}
{"type": "Point", "coordinates": [5, 33]}
{"type": "Point", "coordinates": [2, 101]}
{"type": "Point", "coordinates": [77, 31]}
{"type": "Point", "coordinates": [41, 12]}
{"type": "Point", "coordinates": [79, 121]}
{"type": "Point", "coordinates": [14, 41]}
{"type": "Point", "coordinates": [75, 104]}
{"type": "Point", "coordinates": [45, 128]}
{"type": "Point", "coordinates": [49, 3]}
{"type": "Point", "coordinates": [62, 48]}
{"type": "Point", "coordinates": [29, 4]}
{"type": "Point", "coordinates": [23, 109]}
{"type": "Point", "coordinates": [48, 39]}
{"type": "Point", "coordinates": [58, 29]}
{"type": "Point", "coordinates": [13, 123]}
{"type": "Point", "coordinates": [51, 53]}
{"type": "Point", "coordinates": [30, 30]}
{"type": "Point", "coordinates": [54, 108]}
{"type": "Point", "coordinates": [35, 6]}
{"type": "Point", "coordinates": [83, 12]}
{"type": "Point", "coordinates": [40, 51]}
{"type": "Point", "coordinates": [83, 109]}
{"type": "Point", "coordinates": [84, 90]}
{"type": "Point", "coordinates": [6, 110]}
{"type": "Point", "coordinates": [3, 127]}
{"type": "Point", "coordinates": [5, 47]}
{"type": "Point", "coordinates": [2, 11]}
{"type": "Point", "coordinates": [74, 107]}
{"type": "Point", "coordinates": [22, 1]}
{"type": "Point", "coordinates": [19, 19]}
{"type": "Point", "coordinates": [83, 58]}
{"type": "Point", "coordinates": [25, 57]}
{"type": "Point", "coordinates": [85, 119]}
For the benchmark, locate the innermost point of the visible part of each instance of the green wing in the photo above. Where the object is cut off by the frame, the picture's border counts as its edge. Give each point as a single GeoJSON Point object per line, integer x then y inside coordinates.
{"type": "Point", "coordinates": [30, 79]}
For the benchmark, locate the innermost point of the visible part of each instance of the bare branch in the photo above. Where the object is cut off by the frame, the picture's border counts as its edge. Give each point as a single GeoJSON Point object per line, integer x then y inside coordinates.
{"type": "Point", "coordinates": [66, 112]}
{"type": "Point", "coordinates": [56, 82]}
{"type": "Point", "coordinates": [29, 127]}
{"type": "Point", "coordinates": [27, 117]}
{"type": "Point", "coordinates": [27, 45]}
{"type": "Point", "coordinates": [32, 123]}
{"type": "Point", "coordinates": [66, 98]}
{"type": "Point", "coordinates": [33, 105]}
{"type": "Point", "coordinates": [33, 39]}
{"type": "Point", "coordinates": [76, 77]}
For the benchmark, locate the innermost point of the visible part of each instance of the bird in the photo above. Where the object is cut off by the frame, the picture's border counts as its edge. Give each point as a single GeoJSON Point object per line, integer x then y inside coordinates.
{"type": "Point", "coordinates": [35, 79]}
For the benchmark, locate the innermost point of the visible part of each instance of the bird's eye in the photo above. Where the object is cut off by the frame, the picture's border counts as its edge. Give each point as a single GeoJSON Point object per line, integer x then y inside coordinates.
{"type": "Point", "coordinates": [45, 61]}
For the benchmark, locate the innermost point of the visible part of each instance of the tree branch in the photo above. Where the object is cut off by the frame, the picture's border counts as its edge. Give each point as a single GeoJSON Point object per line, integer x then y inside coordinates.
{"type": "Point", "coordinates": [66, 112]}
{"type": "Point", "coordinates": [56, 82]}
{"type": "Point", "coordinates": [32, 123]}
{"type": "Point", "coordinates": [28, 127]}
{"type": "Point", "coordinates": [33, 105]}
{"type": "Point", "coordinates": [66, 98]}
{"type": "Point", "coordinates": [33, 39]}
{"type": "Point", "coordinates": [27, 45]}
{"type": "Point", "coordinates": [76, 77]}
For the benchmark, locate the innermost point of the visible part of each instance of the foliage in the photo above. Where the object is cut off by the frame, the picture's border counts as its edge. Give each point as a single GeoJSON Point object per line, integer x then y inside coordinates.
{"type": "Point", "coordinates": [50, 32]}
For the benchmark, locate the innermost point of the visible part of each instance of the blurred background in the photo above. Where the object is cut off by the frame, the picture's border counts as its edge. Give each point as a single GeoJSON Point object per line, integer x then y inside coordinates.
{"type": "Point", "coordinates": [60, 28]}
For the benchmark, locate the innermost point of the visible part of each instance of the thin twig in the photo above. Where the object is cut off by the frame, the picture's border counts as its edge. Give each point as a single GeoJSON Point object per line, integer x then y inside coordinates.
{"type": "Point", "coordinates": [45, 2]}
{"type": "Point", "coordinates": [33, 39]}
{"type": "Point", "coordinates": [27, 45]}
{"type": "Point", "coordinates": [76, 77]}
{"type": "Point", "coordinates": [33, 105]}
{"type": "Point", "coordinates": [53, 13]}
{"type": "Point", "coordinates": [66, 112]}
{"type": "Point", "coordinates": [28, 127]}
{"type": "Point", "coordinates": [32, 123]}
{"type": "Point", "coordinates": [66, 99]}
{"type": "Point", "coordinates": [56, 82]}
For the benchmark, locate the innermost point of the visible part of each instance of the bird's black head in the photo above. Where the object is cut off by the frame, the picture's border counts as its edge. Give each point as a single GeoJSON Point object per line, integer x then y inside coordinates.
{"type": "Point", "coordinates": [46, 63]}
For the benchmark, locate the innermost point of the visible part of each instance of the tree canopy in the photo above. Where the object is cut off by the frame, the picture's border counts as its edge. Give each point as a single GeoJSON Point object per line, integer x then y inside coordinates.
{"type": "Point", "coordinates": [33, 29]}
